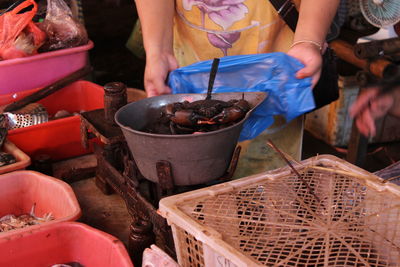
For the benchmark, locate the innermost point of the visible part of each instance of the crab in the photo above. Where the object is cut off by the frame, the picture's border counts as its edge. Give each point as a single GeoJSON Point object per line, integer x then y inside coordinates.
{"type": "Point", "coordinates": [188, 115]}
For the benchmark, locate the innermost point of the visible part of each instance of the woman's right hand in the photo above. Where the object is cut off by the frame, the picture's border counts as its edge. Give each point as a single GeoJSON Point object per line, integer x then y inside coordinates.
{"type": "Point", "coordinates": [310, 55]}
{"type": "Point", "coordinates": [157, 68]}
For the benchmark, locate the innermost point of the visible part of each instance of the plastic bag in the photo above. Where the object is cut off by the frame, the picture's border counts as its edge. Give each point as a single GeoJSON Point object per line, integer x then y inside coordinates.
{"type": "Point", "coordinates": [19, 35]}
{"type": "Point", "coordinates": [156, 257]}
{"type": "Point", "coordinates": [273, 73]}
{"type": "Point", "coordinates": [62, 29]}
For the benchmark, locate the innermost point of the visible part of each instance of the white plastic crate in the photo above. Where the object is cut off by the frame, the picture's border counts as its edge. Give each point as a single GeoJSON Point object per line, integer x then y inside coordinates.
{"type": "Point", "coordinates": [344, 216]}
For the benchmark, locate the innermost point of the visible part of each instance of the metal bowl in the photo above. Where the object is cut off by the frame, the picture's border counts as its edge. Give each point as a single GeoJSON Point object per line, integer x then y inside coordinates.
{"type": "Point", "coordinates": [195, 158]}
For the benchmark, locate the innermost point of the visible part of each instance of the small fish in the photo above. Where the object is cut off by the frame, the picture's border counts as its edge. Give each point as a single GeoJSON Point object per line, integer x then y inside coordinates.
{"type": "Point", "coordinates": [3, 121]}
{"type": "Point", "coordinates": [11, 222]}
{"type": "Point", "coordinates": [3, 134]}
{"type": "Point", "coordinates": [6, 159]}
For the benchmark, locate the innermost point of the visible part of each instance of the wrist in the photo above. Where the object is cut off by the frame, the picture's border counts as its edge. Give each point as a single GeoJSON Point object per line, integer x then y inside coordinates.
{"type": "Point", "coordinates": [157, 47]}
{"type": "Point", "coordinates": [157, 53]}
{"type": "Point", "coordinates": [311, 43]}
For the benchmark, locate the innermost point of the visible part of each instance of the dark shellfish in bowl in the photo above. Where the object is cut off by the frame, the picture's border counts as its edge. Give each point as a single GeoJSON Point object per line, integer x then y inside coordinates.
{"type": "Point", "coordinates": [164, 128]}
{"type": "Point", "coordinates": [198, 117]}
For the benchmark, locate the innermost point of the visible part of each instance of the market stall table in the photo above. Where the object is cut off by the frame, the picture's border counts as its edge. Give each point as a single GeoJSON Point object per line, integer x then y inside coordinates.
{"type": "Point", "coordinates": [117, 172]}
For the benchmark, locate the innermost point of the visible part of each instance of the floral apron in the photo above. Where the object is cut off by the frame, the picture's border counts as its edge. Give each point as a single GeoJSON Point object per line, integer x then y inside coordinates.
{"type": "Point", "coordinates": [215, 28]}
{"type": "Point", "coordinates": [205, 29]}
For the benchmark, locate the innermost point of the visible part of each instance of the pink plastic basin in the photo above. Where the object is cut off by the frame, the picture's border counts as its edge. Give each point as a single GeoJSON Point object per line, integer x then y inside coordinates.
{"type": "Point", "coordinates": [59, 138]}
{"type": "Point", "coordinates": [19, 190]}
{"type": "Point", "coordinates": [40, 70]}
{"type": "Point", "coordinates": [62, 243]}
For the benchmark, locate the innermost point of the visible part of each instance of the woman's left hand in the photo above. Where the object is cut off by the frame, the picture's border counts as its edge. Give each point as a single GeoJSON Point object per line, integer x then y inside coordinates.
{"type": "Point", "coordinates": [310, 55]}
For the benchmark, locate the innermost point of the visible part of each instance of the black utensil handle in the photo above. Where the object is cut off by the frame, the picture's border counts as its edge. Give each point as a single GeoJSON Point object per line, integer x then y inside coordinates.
{"type": "Point", "coordinates": [213, 73]}
{"type": "Point", "coordinates": [42, 93]}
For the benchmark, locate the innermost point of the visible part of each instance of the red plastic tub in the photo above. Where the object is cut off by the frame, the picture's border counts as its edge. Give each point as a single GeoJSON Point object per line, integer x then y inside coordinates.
{"type": "Point", "coordinates": [62, 243]}
{"type": "Point", "coordinates": [36, 71]}
{"type": "Point", "coordinates": [60, 138]}
{"type": "Point", "coordinates": [20, 190]}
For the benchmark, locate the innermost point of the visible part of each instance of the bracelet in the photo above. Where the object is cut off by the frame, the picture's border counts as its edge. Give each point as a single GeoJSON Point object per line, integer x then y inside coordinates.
{"type": "Point", "coordinates": [319, 45]}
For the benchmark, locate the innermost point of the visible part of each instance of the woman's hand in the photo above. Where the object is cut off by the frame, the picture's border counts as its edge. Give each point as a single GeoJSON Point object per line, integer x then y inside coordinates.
{"type": "Point", "coordinates": [315, 18]}
{"type": "Point", "coordinates": [369, 106]}
{"type": "Point", "coordinates": [156, 72]}
{"type": "Point", "coordinates": [156, 18]}
{"type": "Point", "coordinates": [310, 55]}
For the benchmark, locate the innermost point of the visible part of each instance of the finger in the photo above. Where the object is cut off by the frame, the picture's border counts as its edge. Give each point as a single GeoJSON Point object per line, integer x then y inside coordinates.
{"type": "Point", "coordinates": [362, 102]}
{"type": "Point", "coordinates": [151, 90]}
{"type": "Point", "coordinates": [315, 79]}
{"type": "Point", "coordinates": [368, 123]}
{"type": "Point", "coordinates": [359, 121]}
{"type": "Point", "coordinates": [155, 89]}
{"type": "Point", "coordinates": [308, 71]}
{"type": "Point", "coordinates": [173, 63]}
{"type": "Point", "coordinates": [362, 128]}
{"type": "Point", "coordinates": [151, 87]}
{"type": "Point", "coordinates": [161, 87]}
{"type": "Point", "coordinates": [155, 83]}
{"type": "Point", "coordinates": [315, 76]}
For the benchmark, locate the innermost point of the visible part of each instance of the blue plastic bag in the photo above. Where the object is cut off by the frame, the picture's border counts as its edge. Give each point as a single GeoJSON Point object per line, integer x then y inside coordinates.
{"type": "Point", "coordinates": [273, 73]}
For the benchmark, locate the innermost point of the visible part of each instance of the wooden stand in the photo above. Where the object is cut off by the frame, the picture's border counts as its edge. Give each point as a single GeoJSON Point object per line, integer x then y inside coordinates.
{"type": "Point", "coordinates": [117, 172]}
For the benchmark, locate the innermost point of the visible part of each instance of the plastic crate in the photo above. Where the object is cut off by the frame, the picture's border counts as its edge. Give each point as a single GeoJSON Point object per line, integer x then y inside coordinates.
{"type": "Point", "coordinates": [344, 216]}
{"type": "Point", "coordinates": [22, 159]}
{"type": "Point", "coordinates": [40, 70]}
{"type": "Point", "coordinates": [62, 243]}
{"type": "Point", "coordinates": [20, 190]}
{"type": "Point", "coordinates": [59, 138]}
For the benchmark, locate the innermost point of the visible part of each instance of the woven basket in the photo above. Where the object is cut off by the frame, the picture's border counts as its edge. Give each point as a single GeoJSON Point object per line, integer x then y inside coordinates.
{"type": "Point", "coordinates": [336, 215]}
